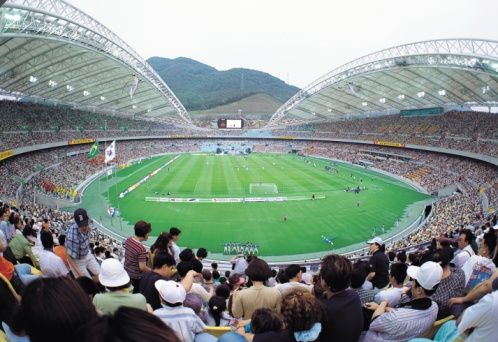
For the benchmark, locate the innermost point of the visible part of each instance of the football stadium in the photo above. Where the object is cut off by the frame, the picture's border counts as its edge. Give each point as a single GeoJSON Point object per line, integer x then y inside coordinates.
{"type": "Point", "coordinates": [165, 200]}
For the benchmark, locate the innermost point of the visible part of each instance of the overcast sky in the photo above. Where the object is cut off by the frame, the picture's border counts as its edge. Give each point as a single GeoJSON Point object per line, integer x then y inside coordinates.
{"type": "Point", "coordinates": [297, 41]}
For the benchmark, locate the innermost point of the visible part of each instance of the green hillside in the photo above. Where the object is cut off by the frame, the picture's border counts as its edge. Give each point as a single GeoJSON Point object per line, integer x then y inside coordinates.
{"type": "Point", "coordinates": [200, 86]}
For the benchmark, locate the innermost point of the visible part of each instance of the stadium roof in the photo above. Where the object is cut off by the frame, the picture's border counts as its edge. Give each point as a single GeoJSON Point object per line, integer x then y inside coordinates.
{"type": "Point", "coordinates": [50, 50]}
{"type": "Point", "coordinates": [418, 75]}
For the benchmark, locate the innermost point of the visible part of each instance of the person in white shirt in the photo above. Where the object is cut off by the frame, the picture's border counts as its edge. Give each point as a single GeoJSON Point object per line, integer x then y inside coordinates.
{"type": "Point", "coordinates": [465, 249]}
{"type": "Point", "coordinates": [50, 264]}
{"type": "Point", "coordinates": [393, 294]}
{"type": "Point", "coordinates": [294, 274]}
{"type": "Point", "coordinates": [175, 236]}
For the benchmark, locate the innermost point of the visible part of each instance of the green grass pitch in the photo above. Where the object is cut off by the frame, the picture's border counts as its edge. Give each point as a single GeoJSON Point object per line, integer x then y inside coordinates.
{"type": "Point", "coordinates": [210, 225]}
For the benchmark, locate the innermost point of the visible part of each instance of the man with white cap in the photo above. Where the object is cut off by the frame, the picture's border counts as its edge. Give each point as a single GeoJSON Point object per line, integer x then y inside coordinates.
{"type": "Point", "coordinates": [182, 320]}
{"type": "Point", "coordinates": [411, 319]}
{"type": "Point", "coordinates": [378, 263]}
{"type": "Point", "coordinates": [114, 277]}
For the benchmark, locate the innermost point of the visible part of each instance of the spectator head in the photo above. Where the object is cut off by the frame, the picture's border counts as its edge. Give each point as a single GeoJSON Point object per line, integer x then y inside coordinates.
{"type": "Point", "coordinates": [62, 240]}
{"type": "Point", "coordinates": [194, 302]}
{"type": "Point", "coordinates": [281, 277]}
{"type": "Point", "coordinates": [398, 273]}
{"type": "Point", "coordinates": [113, 275]}
{"type": "Point", "coordinates": [98, 251]}
{"type": "Point", "coordinates": [216, 275]}
{"type": "Point", "coordinates": [175, 233]}
{"type": "Point", "coordinates": [465, 238]}
{"type": "Point", "coordinates": [359, 274]}
{"type": "Point", "coordinates": [258, 270]}
{"type": "Point", "coordinates": [227, 274]}
{"type": "Point", "coordinates": [54, 309]}
{"type": "Point", "coordinates": [47, 239]}
{"type": "Point", "coordinates": [401, 257]}
{"type": "Point", "coordinates": [293, 272]}
{"type": "Point", "coordinates": [171, 293]}
{"type": "Point", "coordinates": [443, 256]}
{"type": "Point", "coordinates": [217, 305]}
{"type": "Point", "coordinates": [129, 325]}
{"type": "Point", "coordinates": [197, 265]}
{"type": "Point", "coordinates": [88, 285]}
{"type": "Point", "coordinates": [391, 255]}
{"type": "Point", "coordinates": [223, 290]}
{"type": "Point", "coordinates": [164, 264]}
{"type": "Point", "coordinates": [266, 320]}
{"type": "Point", "coordinates": [28, 231]}
{"type": "Point", "coordinates": [183, 267]}
{"type": "Point", "coordinates": [336, 272]}
{"type": "Point", "coordinates": [488, 245]}
{"type": "Point", "coordinates": [161, 243]}
{"type": "Point", "coordinates": [187, 255]}
{"type": "Point", "coordinates": [207, 275]}
{"type": "Point", "coordinates": [376, 244]}
{"type": "Point", "coordinates": [82, 220]}
{"type": "Point", "coordinates": [235, 281]}
{"type": "Point", "coordinates": [426, 278]}
{"type": "Point", "coordinates": [214, 266]}
{"type": "Point", "coordinates": [142, 230]}
{"type": "Point", "coordinates": [301, 310]}
{"type": "Point", "coordinates": [201, 253]}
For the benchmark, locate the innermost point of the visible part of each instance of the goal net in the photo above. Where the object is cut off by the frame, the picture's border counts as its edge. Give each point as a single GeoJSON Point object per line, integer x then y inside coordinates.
{"type": "Point", "coordinates": [263, 188]}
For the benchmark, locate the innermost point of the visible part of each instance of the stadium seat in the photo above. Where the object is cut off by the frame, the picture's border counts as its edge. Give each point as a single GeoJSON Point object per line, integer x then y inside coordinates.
{"type": "Point", "coordinates": [435, 327]}
{"type": "Point", "coordinates": [217, 331]}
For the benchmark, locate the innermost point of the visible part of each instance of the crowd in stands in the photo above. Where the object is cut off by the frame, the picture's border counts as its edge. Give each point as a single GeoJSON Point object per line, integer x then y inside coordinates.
{"type": "Point", "coordinates": [61, 279]}
{"type": "Point", "coordinates": [68, 283]}
{"type": "Point", "coordinates": [26, 124]}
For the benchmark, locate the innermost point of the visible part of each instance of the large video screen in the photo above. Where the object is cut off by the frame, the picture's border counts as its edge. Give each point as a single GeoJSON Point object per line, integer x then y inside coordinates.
{"type": "Point", "coordinates": [230, 123]}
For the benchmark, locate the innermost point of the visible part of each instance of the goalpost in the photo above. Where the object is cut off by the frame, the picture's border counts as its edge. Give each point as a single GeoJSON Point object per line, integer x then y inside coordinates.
{"type": "Point", "coordinates": [263, 188]}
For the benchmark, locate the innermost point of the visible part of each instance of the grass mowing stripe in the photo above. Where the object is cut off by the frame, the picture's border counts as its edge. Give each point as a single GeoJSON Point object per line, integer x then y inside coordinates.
{"type": "Point", "coordinates": [209, 225]}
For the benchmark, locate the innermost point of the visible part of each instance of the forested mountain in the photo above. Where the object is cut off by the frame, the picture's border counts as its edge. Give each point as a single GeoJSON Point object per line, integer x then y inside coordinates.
{"type": "Point", "coordinates": [200, 86]}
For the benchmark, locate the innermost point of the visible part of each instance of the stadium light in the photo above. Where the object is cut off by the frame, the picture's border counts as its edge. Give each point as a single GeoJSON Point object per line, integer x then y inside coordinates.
{"type": "Point", "coordinates": [102, 98]}
{"type": "Point", "coordinates": [329, 110]}
{"type": "Point", "coordinates": [69, 88]}
{"type": "Point", "coordinates": [382, 100]}
{"type": "Point", "coordinates": [33, 79]}
{"type": "Point", "coordinates": [442, 92]}
{"type": "Point", "coordinates": [364, 104]}
{"type": "Point", "coordinates": [401, 96]}
{"type": "Point", "coordinates": [86, 93]}
{"type": "Point", "coordinates": [421, 94]}
{"type": "Point", "coordinates": [52, 83]}
{"type": "Point", "coordinates": [13, 17]}
{"type": "Point", "coordinates": [134, 107]}
{"type": "Point", "coordinates": [485, 89]}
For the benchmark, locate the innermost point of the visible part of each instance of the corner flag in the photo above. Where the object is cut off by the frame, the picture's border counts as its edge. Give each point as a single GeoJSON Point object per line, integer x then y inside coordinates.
{"type": "Point", "coordinates": [94, 150]}
{"type": "Point", "coordinates": [110, 152]}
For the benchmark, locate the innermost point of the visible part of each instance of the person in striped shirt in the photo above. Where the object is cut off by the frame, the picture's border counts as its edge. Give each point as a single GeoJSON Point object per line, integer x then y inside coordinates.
{"type": "Point", "coordinates": [411, 319]}
{"type": "Point", "coordinates": [135, 254]}
{"type": "Point", "coordinates": [186, 324]}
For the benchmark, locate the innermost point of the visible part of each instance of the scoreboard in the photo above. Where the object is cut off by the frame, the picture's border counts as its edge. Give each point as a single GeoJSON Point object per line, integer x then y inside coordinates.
{"type": "Point", "coordinates": [230, 123]}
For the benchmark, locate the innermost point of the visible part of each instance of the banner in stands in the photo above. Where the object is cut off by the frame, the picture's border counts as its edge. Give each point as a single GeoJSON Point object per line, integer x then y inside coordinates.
{"type": "Point", "coordinates": [6, 154]}
{"type": "Point", "coordinates": [81, 141]}
{"type": "Point", "coordinates": [388, 143]}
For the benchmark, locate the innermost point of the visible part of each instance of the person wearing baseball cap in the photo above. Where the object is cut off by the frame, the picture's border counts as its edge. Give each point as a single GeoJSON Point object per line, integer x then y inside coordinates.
{"type": "Point", "coordinates": [378, 263]}
{"type": "Point", "coordinates": [186, 324]}
{"type": "Point", "coordinates": [411, 319]}
{"type": "Point", "coordinates": [81, 261]}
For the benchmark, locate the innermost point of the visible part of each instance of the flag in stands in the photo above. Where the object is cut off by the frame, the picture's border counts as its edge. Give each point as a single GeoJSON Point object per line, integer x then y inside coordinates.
{"type": "Point", "coordinates": [94, 150]}
{"type": "Point", "coordinates": [110, 152]}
